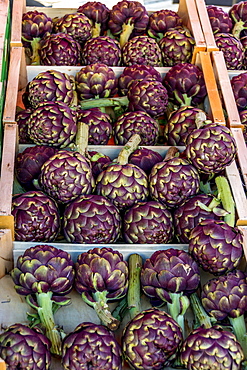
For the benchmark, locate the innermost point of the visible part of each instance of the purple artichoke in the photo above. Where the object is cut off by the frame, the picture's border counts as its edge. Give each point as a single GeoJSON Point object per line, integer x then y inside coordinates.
{"type": "Point", "coordinates": [101, 49]}
{"type": "Point", "coordinates": [98, 13]}
{"type": "Point", "coordinates": [102, 276]}
{"type": "Point", "coordinates": [36, 217]}
{"type": "Point", "coordinates": [148, 223]}
{"type": "Point", "coordinates": [185, 84]}
{"type": "Point", "coordinates": [211, 148]}
{"type": "Point", "coordinates": [216, 246]}
{"type": "Point", "coordinates": [137, 122]}
{"type": "Point", "coordinates": [136, 72]}
{"type": "Point", "coordinates": [52, 123]}
{"type": "Point", "coordinates": [29, 162]}
{"type": "Point", "coordinates": [128, 19]}
{"type": "Point", "coordinates": [76, 25]}
{"type": "Point", "coordinates": [238, 14]}
{"type": "Point", "coordinates": [66, 175]}
{"type": "Point", "coordinates": [21, 119]}
{"type": "Point", "coordinates": [24, 348]}
{"type": "Point", "coordinates": [59, 49]}
{"type": "Point", "coordinates": [91, 346]}
{"type": "Point", "coordinates": [49, 86]}
{"type": "Point", "coordinates": [100, 128]}
{"type": "Point", "coordinates": [91, 219]}
{"type": "Point", "coordinates": [219, 19]}
{"type": "Point", "coordinates": [151, 339]}
{"type": "Point", "coordinates": [177, 46]}
{"type": "Point", "coordinates": [243, 119]}
{"type": "Point", "coordinates": [142, 50]}
{"type": "Point", "coordinates": [239, 88]}
{"type": "Point", "coordinates": [232, 50]}
{"type": "Point", "coordinates": [145, 158]}
{"type": "Point", "coordinates": [98, 160]}
{"type": "Point", "coordinates": [161, 21]}
{"type": "Point", "coordinates": [95, 81]}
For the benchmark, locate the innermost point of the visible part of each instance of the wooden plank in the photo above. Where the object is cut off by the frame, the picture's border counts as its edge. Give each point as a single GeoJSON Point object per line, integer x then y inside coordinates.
{"type": "Point", "coordinates": [244, 231]}
{"type": "Point", "coordinates": [18, 8]}
{"type": "Point", "coordinates": [242, 152]}
{"type": "Point", "coordinates": [4, 9]}
{"type": "Point", "coordinates": [6, 252]}
{"type": "Point", "coordinates": [7, 168]}
{"type": "Point", "coordinates": [204, 60]}
{"type": "Point", "coordinates": [224, 85]}
{"type": "Point", "coordinates": [206, 26]}
{"type": "Point", "coordinates": [188, 12]}
{"type": "Point", "coordinates": [2, 365]}
{"type": "Point", "coordinates": [238, 192]}
{"type": "Point", "coordinates": [12, 85]}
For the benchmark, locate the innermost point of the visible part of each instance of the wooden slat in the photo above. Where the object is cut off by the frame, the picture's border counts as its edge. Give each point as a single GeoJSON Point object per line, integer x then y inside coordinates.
{"type": "Point", "coordinates": [2, 365]}
{"type": "Point", "coordinates": [244, 231]}
{"type": "Point", "coordinates": [206, 26]}
{"type": "Point", "coordinates": [242, 152]}
{"type": "Point", "coordinates": [12, 85]}
{"type": "Point", "coordinates": [6, 253]}
{"type": "Point", "coordinates": [217, 113]}
{"type": "Point", "coordinates": [4, 9]}
{"type": "Point", "coordinates": [224, 85]}
{"type": "Point", "coordinates": [238, 192]}
{"type": "Point", "coordinates": [18, 8]}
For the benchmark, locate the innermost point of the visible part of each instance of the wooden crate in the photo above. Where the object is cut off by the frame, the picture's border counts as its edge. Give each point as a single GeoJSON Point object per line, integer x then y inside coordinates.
{"type": "Point", "coordinates": [186, 10]}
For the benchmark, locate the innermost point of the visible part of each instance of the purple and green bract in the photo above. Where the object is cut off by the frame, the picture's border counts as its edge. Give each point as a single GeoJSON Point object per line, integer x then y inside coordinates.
{"type": "Point", "coordinates": [143, 50]}
{"type": "Point", "coordinates": [76, 25]}
{"type": "Point", "coordinates": [161, 21]}
{"type": "Point", "coordinates": [101, 49]}
{"type": "Point", "coordinates": [98, 13]}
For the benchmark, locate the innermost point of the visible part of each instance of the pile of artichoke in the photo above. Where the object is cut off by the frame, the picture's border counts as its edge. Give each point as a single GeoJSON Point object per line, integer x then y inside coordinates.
{"type": "Point", "coordinates": [121, 36]}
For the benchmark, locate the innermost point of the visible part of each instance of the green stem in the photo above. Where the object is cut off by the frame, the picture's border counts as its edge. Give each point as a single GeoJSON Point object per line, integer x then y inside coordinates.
{"type": "Point", "coordinates": [35, 58]}
{"type": "Point", "coordinates": [240, 330]}
{"type": "Point", "coordinates": [130, 147]}
{"type": "Point", "coordinates": [96, 29]}
{"type": "Point", "coordinates": [121, 309]}
{"type": "Point", "coordinates": [45, 311]}
{"type": "Point", "coordinates": [81, 140]}
{"type": "Point", "coordinates": [134, 290]}
{"type": "Point", "coordinates": [177, 308]}
{"type": "Point", "coordinates": [104, 102]}
{"type": "Point", "coordinates": [127, 29]}
{"type": "Point", "coordinates": [185, 101]}
{"type": "Point", "coordinates": [225, 195]}
{"type": "Point", "coordinates": [237, 28]}
{"type": "Point", "coordinates": [200, 314]}
{"type": "Point", "coordinates": [102, 309]}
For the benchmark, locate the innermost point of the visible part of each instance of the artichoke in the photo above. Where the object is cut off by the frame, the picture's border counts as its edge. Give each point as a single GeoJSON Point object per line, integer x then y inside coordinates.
{"type": "Point", "coordinates": [24, 348]}
{"type": "Point", "coordinates": [136, 72]}
{"type": "Point", "coordinates": [59, 49]}
{"type": "Point", "coordinates": [76, 25]}
{"type": "Point", "coordinates": [238, 14]}
{"type": "Point", "coordinates": [98, 160]}
{"type": "Point", "coordinates": [219, 19]}
{"type": "Point", "coordinates": [173, 180]}
{"type": "Point", "coordinates": [36, 217]}
{"type": "Point", "coordinates": [177, 46]}
{"type": "Point", "coordinates": [91, 346]}
{"type": "Point", "coordinates": [243, 120]}
{"type": "Point", "coordinates": [29, 162]}
{"type": "Point", "coordinates": [148, 95]}
{"type": "Point", "coordinates": [128, 19]}
{"type": "Point", "coordinates": [137, 122]}
{"type": "Point", "coordinates": [226, 297]}
{"type": "Point", "coordinates": [95, 81]}
{"type": "Point", "coordinates": [239, 88]}
{"type": "Point", "coordinates": [52, 123]}
{"type": "Point", "coordinates": [145, 158]}
{"type": "Point", "coordinates": [180, 123]}
{"type": "Point", "coordinates": [123, 183]}
{"type": "Point", "coordinates": [49, 86]}
{"type": "Point", "coordinates": [210, 148]}
{"type": "Point", "coordinates": [232, 50]}
{"type": "Point", "coordinates": [99, 123]}
{"type": "Point", "coordinates": [35, 25]}
{"type": "Point", "coordinates": [44, 275]}
{"type": "Point", "coordinates": [91, 219]}
{"type": "Point", "coordinates": [161, 21]}
{"type": "Point", "coordinates": [150, 340]}
{"type": "Point", "coordinates": [216, 246]}
{"type": "Point", "coordinates": [148, 223]}
{"type": "Point", "coordinates": [193, 210]}
{"type": "Point", "coordinates": [98, 13]}
{"type": "Point", "coordinates": [142, 50]}
{"type": "Point", "coordinates": [21, 119]}
{"type": "Point", "coordinates": [211, 348]}
{"type": "Point", "coordinates": [185, 84]}
{"type": "Point", "coordinates": [102, 276]}
{"type": "Point", "coordinates": [102, 49]}
{"type": "Point", "coordinates": [169, 276]}
{"type": "Point", "coordinates": [66, 175]}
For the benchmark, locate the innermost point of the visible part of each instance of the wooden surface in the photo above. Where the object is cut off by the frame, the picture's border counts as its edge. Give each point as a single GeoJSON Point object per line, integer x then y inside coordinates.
{"type": "Point", "coordinates": [242, 152]}
{"type": "Point", "coordinates": [6, 251]}
{"type": "Point", "coordinates": [18, 8]}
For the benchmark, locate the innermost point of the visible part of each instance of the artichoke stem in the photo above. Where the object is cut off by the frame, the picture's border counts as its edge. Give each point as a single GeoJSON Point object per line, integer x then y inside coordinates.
{"type": "Point", "coordinates": [171, 153]}
{"type": "Point", "coordinates": [81, 137]}
{"type": "Point", "coordinates": [96, 30]}
{"type": "Point", "coordinates": [104, 102]}
{"type": "Point", "coordinates": [35, 57]}
{"type": "Point", "coordinates": [199, 312]}
{"type": "Point", "coordinates": [238, 27]}
{"type": "Point", "coordinates": [130, 147]}
{"type": "Point", "coordinates": [45, 311]}
{"type": "Point", "coordinates": [240, 331]}
{"type": "Point", "coordinates": [178, 307]}
{"type": "Point", "coordinates": [126, 32]}
{"type": "Point", "coordinates": [134, 290]}
{"type": "Point", "coordinates": [226, 198]}
{"type": "Point", "coordinates": [200, 119]}
{"type": "Point", "coordinates": [185, 101]}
